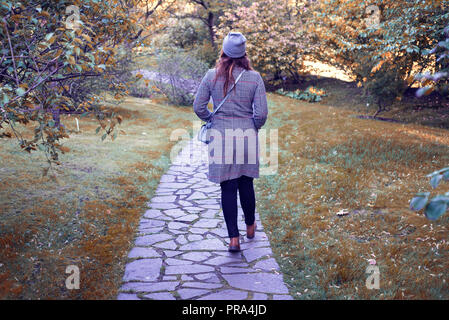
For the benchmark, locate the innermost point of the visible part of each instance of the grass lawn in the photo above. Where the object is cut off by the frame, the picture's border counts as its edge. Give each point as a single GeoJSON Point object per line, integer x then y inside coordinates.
{"type": "Point", "coordinates": [330, 160]}
{"type": "Point", "coordinates": [85, 212]}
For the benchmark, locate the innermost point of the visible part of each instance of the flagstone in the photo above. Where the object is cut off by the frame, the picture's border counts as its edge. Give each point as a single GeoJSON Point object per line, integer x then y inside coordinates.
{"type": "Point", "coordinates": [145, 223]}
{"type": "Point", "coordinates": [259, 296]}
{"type": "Point", "coordinates": [149, 286]}
{"type": "Point", "coordinates": [196, 255]}
{"type": "Point", "coordinates": [226, 295]}
{"type": "Point", "coordinates": [184, 191]}
{"type": "Point", "coordinates": [176, 262]}
{"type": "Point", "coordinates": [177, 225]}
{"type": "Point", "coordinates": [145, 231]}
{"type": "Point", "coordinates": [206, 223]}
{"type": "Point", "coordinates": [260, 282]}
{"type": "Point", "coordinates": [197, 195]}
{"type": "Point", "coordinates": [181, 248]}
{"type": "Point", "coordinates": [167, 245]}
{"type": "Point", "coordinates": [209, 244]}
{"type": "Point", "coordinates": [163, 199]}
{"type": "Point", "coordinates": [198, 230]}
{"type": "Point", "coordinates": [188, 218]}
{"type": "Point", "coordinates": [190, 293]}
{"type": "Point", "coordinates": [181, 239]}
{"type": "Point", "coordinates": [256, 253]}
{"type": "Point", "coordinates": [152, 213]}
{"type": "Point", "coordinates": [267, 264]}
{"type": "Point", "coordinates": [139, 252]}
{"type": "Point", "coordinates": [210, 213]}
{"type": "Point", "coordinates": [175, 212]}
{"type": "Point", "coordinates": [171, 253]}
{"type": "Point", "coordinates": [237, 270]}
{"type": "Point", "coordinates": [162, 205]}
{"type": "Point", "coordinates": [193, 209]}
{"type": "Point", "coordinates": [148, 240]}
{"type": "Point", "coordinates": [142, 270]}
{"type": "Point", "coordinates": [160, 296]}
{"type": "Point", "coordinates": [191, 269]}
{"type": "Point", "coordinates": [208, 277]}
{"type": "Point", "coordinates": [222, 260]}
{"type": "Point", "coordinates": [127, 296]}
{"type": "Point", "coordinates": [168, 178]}
{"type": "Point", "coordinates": [174, 185]}
{"type": "Point", "coordinates": [202, 285]}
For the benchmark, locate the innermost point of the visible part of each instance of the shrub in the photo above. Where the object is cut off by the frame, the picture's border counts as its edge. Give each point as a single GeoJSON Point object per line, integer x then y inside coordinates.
{"type": "Point", "coordinates": [52, 65]}
{"type": "Point", "coordinates": [441, 77]}
{"type": "Point", "coordinates": [311, 94]}
{"type": "Point", "coordinates": [140, 89]}
{"type": "Point", "coordinates": [383, 87]}
{"type": "Point", "coordinates": [178, 75]}
{"type": "Point", "coordinates": [438, 204]}
{"type": "Point", "coordinates": [189, 35]}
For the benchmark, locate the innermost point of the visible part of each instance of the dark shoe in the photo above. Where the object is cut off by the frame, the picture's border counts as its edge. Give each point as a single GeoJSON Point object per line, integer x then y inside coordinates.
{"type": "Point", "coordinates": [251, 231]}
{"type": "Point", "coordinates": [234, 249]}
{"type": "Point", "coordinates": [234, 246]}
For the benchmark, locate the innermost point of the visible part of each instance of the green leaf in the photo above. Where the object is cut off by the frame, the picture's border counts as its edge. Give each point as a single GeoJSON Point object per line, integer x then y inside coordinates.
{"type": "Point", "coordinates": [104, 137]}
{"type": "Point", "coordinates": [48, 36]}
{"type": "Point", "coordinates": [437, 172]}
{"type": "Point", "coordinates": [20, 91]}
{"type": "Point", "coordinates": [423, 91]}
{"type": "Point", "coordinates": [98, 130]}
{"type": "Point", "coordinates": [51, 123]}
{"type": "Point", "coordinates": [419, 202]}
{"type": "Point", "coordinates": [5, 99]}
{"type": "Point", "coordinates": [436, 180]}
{"type": "Point", "coordinates": [444, 44]}
{"type": "Point", "coordinates": [446, 176]}
{"type": "Point", "coordinates": [436, 207]}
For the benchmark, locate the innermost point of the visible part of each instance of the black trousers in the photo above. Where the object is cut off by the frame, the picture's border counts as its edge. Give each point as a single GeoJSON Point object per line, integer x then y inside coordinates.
{"type": "Point", "coordinates": [229, 189]}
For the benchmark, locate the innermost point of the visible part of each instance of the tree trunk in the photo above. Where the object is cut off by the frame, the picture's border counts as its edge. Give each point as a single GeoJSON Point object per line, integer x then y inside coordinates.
{"type": "Point", "coordinates": [56, 112]}
{"type": "Point", "coordinates": [379, 108]}
{"type": "Point", "coordinates": [210, 26]}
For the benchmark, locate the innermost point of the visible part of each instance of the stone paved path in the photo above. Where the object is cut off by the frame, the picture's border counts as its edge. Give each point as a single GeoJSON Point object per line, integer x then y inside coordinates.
{"type": "Point", "coordinates": [181, 248]}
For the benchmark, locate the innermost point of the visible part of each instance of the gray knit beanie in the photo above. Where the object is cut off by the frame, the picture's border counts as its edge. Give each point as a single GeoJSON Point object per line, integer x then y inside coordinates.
{"type": "Point", "coordinates": [234, 45]}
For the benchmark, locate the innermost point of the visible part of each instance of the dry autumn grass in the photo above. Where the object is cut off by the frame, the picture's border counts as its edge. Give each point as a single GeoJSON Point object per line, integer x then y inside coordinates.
{"type": "Point", "coordinates": [85, 212]}
{"type": "Point", "coordinates": [329, 160]}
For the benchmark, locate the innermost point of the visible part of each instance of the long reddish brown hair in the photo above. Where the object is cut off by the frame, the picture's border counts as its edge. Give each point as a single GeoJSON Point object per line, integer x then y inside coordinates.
{"type": "Point", "coordinates": [224, 68]}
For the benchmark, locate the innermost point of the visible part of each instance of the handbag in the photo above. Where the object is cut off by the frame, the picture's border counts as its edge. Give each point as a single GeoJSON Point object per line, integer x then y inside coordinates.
{"type": "Point", "coordinates": [203, 133]}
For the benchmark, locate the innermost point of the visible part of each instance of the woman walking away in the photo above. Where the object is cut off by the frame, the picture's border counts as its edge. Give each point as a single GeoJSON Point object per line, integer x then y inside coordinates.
{"type": "Point", "coordinates": [234, 142]}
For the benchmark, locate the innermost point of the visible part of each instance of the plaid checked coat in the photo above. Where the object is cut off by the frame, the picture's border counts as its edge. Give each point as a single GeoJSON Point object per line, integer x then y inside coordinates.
{"type": "Point", "coordinates": [234, 147]}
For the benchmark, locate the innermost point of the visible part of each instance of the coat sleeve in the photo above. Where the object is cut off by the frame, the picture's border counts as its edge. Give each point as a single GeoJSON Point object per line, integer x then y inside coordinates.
{"type": "Point", "coordinates": [260, 104]}
{"type": "Point", "coordinates": [202, 99]}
